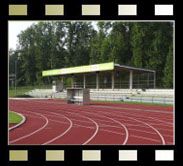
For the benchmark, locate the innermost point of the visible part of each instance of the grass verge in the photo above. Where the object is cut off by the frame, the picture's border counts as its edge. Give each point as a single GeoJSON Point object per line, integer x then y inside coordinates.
{"type": "Point", "coordinates": [127, 102]}
{"type": "Point", "coordinates": [20, 91]}
{"type": "Point", "coordinates": [133, 103]}
{"type": "Point", "coordinates": [14, 118]}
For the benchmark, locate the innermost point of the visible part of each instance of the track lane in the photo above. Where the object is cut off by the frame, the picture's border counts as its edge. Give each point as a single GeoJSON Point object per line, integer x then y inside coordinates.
{"type": "Point", "coordinates": [138, 131]}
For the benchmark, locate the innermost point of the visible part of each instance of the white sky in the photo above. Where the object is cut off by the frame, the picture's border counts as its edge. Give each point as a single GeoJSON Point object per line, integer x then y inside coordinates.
{"type": "Point", "coordinates": [15, 27]}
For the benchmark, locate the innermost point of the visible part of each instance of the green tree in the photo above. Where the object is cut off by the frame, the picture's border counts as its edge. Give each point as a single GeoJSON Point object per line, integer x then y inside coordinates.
{"type": "Point", "coordinates": [150, 45]}
{"type": "Point", "coordinates": [95, 46]}
{"type": "Point", "coordinates": [158, 49]}
{"type": "Point", "coordinates": [168, 71]}
{"type": "Point", "coordinates": [50, 45]}
{"type": "Point", "coordinates": [138, 43]}
{"type": "Point", "coordinates": [78, 42]}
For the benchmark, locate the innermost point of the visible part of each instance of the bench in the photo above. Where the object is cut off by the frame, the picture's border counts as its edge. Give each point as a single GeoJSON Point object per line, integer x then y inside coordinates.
{"type": "Point", "coordinates": [78, 99]}
{"type": "Point", "coordinates": [78, 96]}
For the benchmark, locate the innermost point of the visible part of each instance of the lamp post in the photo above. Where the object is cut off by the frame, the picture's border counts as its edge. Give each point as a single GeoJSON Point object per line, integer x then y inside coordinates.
{"type": "Point", "coordinates": [15, 76]}
{"type": "Point", "coordinates": [16, 73]}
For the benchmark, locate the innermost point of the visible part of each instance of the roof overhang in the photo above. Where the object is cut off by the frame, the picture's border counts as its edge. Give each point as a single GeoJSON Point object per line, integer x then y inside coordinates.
{"type": "Point", "coordinates": [92, 68]}
{"type": "Point", "coordinates": [80, 69]}
{"type": "Point", "coordinates": [133, 68]}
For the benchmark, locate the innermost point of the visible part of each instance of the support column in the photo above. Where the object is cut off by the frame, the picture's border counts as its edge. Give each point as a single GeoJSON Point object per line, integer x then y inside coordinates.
{"type": "Point", "coordinates": [72, 81]}
{"type": "Point", "coordinates": [148, 80]}
{"type": "Point", "coordinates": [84, 81]}
{"type": "Point", "coordinates": [131, 80]}
{"type": "Point", "coordinates": [97, 81]}
{"type": "Point", "coordinates": [62, 82]}
{"type": "Point", "coordinates": [112, 80]}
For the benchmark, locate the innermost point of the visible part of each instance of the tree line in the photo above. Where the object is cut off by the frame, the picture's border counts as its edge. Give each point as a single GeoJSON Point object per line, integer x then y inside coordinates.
{"type": "Point", "coordinates": [51, 45]}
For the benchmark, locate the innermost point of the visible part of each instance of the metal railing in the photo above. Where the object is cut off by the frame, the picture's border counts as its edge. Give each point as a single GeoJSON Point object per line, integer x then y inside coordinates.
{"type": "Point", "coordinates": [95, 95]}
{"type": "Point", "coordinates": [123, 98]}
{"type": "Point", "coordinates": [127, 98]}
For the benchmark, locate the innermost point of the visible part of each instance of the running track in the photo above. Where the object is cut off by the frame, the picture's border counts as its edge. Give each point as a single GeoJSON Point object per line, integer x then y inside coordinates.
{"type": "Point", "coordinates": [55, 122]}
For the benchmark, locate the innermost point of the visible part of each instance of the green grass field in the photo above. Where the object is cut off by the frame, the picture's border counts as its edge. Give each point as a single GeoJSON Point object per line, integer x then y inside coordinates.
{"type": "Point", "coordinates": [14, 118]}
{"type": "Point", "coordinates": [20, 91]}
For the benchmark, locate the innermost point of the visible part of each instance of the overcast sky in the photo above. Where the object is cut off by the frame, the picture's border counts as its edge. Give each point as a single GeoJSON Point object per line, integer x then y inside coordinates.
{"type": "Point", "coordinates": [15, 27]}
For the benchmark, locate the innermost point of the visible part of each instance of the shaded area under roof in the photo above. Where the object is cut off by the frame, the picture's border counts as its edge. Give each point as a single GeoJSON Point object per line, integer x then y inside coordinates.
{"type": "Point", "coordinates": [91, 68]}
{"type": "Point", "coordinates": [133, 68]}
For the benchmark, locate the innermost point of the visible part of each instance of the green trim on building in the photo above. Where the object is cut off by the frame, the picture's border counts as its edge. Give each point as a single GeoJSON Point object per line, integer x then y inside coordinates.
{"type": "Point", "coordinates": [80, 69]}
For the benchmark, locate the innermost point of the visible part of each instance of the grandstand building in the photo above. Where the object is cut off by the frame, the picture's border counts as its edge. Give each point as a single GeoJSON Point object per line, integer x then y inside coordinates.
{"type": "Point", "coordinates": [105, 76]}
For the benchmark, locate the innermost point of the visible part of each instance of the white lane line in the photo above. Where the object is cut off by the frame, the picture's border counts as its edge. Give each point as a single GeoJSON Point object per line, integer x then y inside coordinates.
{"type": "Point", "coordinates": [137, 115]}
{"type": "Point", "coordinates": [83, 121]}
{"type": "Point", "coordinates": [61, 135]}
{"type": "Point", "coordinates": [109, 131]}
{"type": "Point", "coordinates": [141, 121]}
{"type": "Point", "coordinates": [123, 126]}
{"type": "Point", "coordinates": [145, 138]}
{"type": "Point", "coordinates": [147, 118]}
{"type": "Point", "coordinates": [161, 124]}
{"type": "Point", "coordinates": [128, 113]}
{"type": "Point", "coordinates": [112, 126]}
{"type": "Point", "coordinates": [95, 133]}
{"type": "Point", "coordinates": [161, 137]}
{"type": "Point", "coordinates": [96, 130]}
{"type": "Point", "coordinates": [145, 127]}
{"type": "Point", "coordinates": [36, 131]}
{"type": "Point", "coordinates": [118, 133]}
{"type": "Point", "coordinates": [33, 116]}
{"type": "Point", "coordinates": [70, 126]}
{"type": "Point", "coordinates": [127, 124]}
{"type": "Point", "coordinates": [148, 138]}
{"type": "Point", "coordinates": [123, 119]}
{"type": "Point", "coordinates": [162, 121]}
{"type": "Point", "coordinates": [76, 125]}
{"type": "Point", "coordinates": [125, 113]}
{"type": "Point", "coordinates": [92, 123]}
{"type": "Point", "coordinates": [121, 108]}
{"type": "Point", "coordinates": [65, 123]}
{"type": "Point", "coordinates": [135, 109]}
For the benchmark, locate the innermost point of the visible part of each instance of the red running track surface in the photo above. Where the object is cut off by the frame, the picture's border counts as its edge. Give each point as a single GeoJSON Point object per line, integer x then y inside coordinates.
{"type": "Point", "coordinates": [52, 121]}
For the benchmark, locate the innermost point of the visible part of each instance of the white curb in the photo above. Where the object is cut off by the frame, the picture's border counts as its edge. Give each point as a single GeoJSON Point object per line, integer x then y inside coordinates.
{"type": "Point", "coordinates": [19, 124]}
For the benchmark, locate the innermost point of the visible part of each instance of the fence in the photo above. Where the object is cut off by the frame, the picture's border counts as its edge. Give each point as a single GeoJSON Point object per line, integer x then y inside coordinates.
{"type": "Point", "coordinates": [123, 98]}
{"type": "Point", "coordinates": [19, 91]}
{"type": "Point", "coordinates": [127, 98]}
{"type": "Point", "coordinates": [151, 96]}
